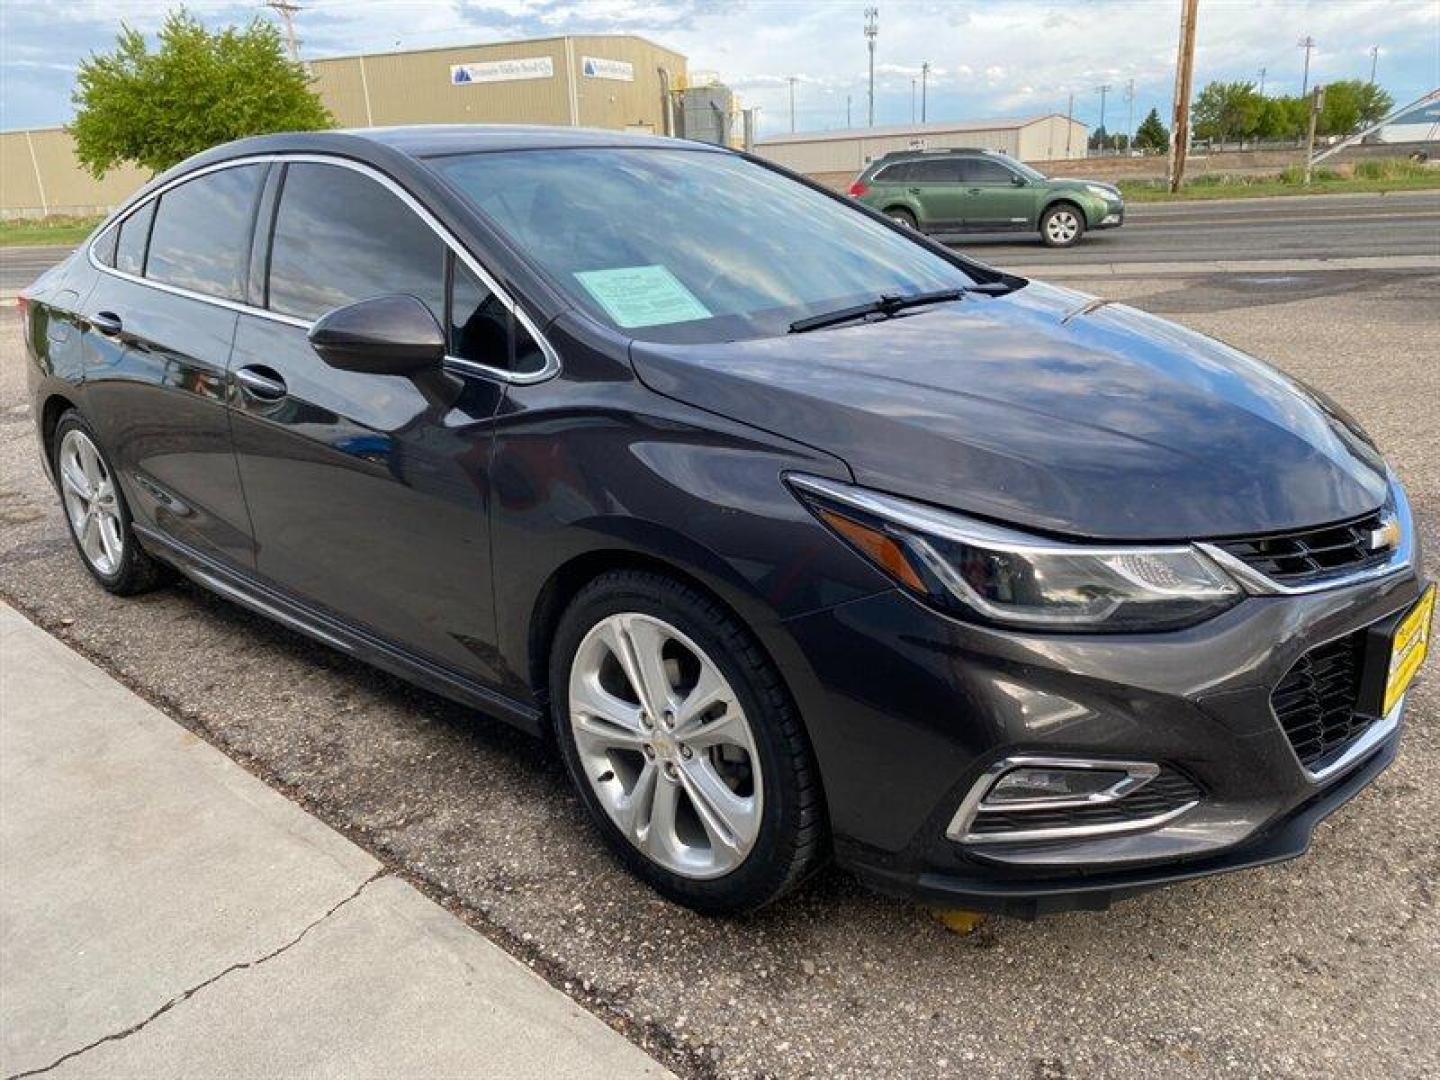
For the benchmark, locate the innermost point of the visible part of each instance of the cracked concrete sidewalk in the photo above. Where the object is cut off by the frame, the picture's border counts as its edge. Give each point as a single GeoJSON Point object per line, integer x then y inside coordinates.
{"type": "Point", "coordinates": [164, 913]}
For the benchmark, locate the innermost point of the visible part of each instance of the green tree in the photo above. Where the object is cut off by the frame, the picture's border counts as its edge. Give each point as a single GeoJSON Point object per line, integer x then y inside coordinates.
{"type": "Point", "coordinates": [1099, 139]}
{"type": "Point", "coordinates": [1283, 118]}
{"type": "Point", "coordinates": [1152, 134]}
{"type": "Point", "coordinates": [198, 89]}
{"type": "Point", "coordinates": [1350, 105]}
{"type": "Point", "coordinates": [1227, 111]}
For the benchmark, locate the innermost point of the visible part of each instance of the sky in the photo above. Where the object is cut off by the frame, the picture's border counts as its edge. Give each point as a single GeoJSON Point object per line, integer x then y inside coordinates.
{"type": "Point", "coordinates": [989, 58]}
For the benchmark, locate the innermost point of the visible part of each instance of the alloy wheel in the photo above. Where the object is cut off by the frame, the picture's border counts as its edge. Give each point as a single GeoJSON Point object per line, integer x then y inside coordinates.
{"type": "Point", "coordinates": [665, 745]}
{"type": "Point", "coordinates": [91, 503]}
{"type": "Point", "coordinates": [1062, 226]}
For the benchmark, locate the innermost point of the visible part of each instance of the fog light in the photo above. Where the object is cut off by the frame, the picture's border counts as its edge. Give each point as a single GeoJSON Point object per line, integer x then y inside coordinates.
{"type": "Point", "coordinates": [1053, 785]}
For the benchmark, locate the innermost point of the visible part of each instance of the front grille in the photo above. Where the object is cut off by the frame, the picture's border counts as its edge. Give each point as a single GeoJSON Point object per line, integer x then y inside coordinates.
{"type": "Point", "coordinates": [1316, 701]}
{"type": "Point", "coordinates": [1296, 558]}
{"type": "Point", "coordinates": [1168, 791]}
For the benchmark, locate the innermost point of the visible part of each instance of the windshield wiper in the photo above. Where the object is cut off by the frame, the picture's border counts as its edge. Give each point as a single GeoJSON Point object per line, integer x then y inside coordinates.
{"type": "Point", "coordinates": [888, 305]}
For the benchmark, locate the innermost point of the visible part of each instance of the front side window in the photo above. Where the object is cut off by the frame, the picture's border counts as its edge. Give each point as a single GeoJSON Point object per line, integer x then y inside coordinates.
{"type": "Point", "coordinates": [341, 237]}
{"type": "Point", "coordinates": [201, 237]}
{"type": "Point", "coordinates": [690, 246]}
{"type": "Point", "coordinates": [134, 235]}
{"type": "Point", "coordinates": [483, 331]}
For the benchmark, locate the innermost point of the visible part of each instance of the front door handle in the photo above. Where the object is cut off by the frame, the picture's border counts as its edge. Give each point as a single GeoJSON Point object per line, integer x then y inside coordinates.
{"type": "Point", "coordinates": [261, 382]}
{"type": "Point", "coordinates": [974, 191]}
{"type": "Point", "coordinates": [107, 323]}
{"type": "Point", "coordinates": [913, 190]}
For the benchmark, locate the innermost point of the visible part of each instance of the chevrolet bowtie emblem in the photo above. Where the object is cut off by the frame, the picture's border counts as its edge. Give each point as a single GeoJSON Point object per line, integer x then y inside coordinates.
{"type": "Point", "coordinates": [1387, 536]}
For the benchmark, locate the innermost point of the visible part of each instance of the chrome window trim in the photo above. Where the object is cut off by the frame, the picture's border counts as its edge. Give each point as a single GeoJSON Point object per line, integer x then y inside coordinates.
{"type": "Point", "coordinates": [1139, 773]}
{"type": "Point", "coordinates": [552, 358]}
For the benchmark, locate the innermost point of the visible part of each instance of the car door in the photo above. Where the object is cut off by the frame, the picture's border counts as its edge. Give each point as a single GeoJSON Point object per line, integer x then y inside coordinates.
{"type": "Point", "coordinates": [369, 494]}
{"type": "Point", "coordinates": [158, 329]}
{"type": "Point", "coordinates": [994, 200]}
{"type": "Point", "coordinates": [936, 183]}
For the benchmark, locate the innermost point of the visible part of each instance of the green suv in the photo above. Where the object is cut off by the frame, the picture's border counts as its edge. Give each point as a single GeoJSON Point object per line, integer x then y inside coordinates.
{"type": "Point", "coordinates": [941, 191]}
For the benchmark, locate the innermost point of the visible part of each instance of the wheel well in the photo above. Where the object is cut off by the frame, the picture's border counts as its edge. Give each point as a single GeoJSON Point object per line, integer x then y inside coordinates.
{"type": "Point", "coordinates": [899, 206]}
{"type": "Point", "coordinates": [1072, 204]}
{"type": "Point", "coordinates": [50, 413]}
{"type": "Point", "coordinates": [566, 582]}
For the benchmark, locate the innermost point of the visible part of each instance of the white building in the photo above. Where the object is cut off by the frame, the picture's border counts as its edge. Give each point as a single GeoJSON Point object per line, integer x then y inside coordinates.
{"type": "Point", "coordinates": [1050, 137]}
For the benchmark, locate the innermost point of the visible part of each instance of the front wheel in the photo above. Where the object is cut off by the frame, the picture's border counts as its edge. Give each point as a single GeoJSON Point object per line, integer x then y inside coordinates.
{"type": "Point", "coordinates": [1062, 226]}
{"type": "Point", "coordinates": [683, 744]}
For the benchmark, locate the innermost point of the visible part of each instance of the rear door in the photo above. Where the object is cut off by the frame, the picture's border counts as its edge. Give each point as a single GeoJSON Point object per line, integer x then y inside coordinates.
{"type": "Point", "coordinates": [936, 183]}
{"type": "Point", "coordinates": [158, 328]}
{"type": "Point", "coordinates": [993, 199]}
{"type": "Point", "coordinates": [370, 493]}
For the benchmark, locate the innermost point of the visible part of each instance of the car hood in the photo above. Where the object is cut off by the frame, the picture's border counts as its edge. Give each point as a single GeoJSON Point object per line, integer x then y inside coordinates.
{"type": "Point", "coordinates": [1047, 409]}
{"type": "Point", "coordinates": [1072, 182]}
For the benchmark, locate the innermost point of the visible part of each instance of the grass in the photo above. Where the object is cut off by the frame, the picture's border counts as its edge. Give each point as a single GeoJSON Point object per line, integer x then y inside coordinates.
{"type": "Point", "coordinates": [1373, 175]}
{"type": "Point", "coordinates": [51, 230]}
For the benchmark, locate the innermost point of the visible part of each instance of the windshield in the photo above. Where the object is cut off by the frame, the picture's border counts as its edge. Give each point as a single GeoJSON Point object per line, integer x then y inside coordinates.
{"type": "Point", "coordinates": [691, 246]}
{"type": "Point", "coordinates": [1035, 176]}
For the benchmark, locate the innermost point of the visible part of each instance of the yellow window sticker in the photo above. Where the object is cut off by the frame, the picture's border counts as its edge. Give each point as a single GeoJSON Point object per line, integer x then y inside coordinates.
{"type": "Point", "coordinates": [642, 295]}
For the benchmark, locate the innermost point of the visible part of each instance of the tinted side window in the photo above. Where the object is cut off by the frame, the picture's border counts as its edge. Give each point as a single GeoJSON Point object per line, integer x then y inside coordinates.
{"type": "Point", "coordinates": [104, 246]}
{"type": "Point", "coordinates": [341, 237]}
{"type": "Point", "coordinates": [940, 171]}
{"type": "Point", "coordinates": [895, 174]}
{"type": "Point", "coordinates": [483, 331]}
{"type": "Point", "coordinates": [134, 235]}
{"type": "Point", "coordinates": [984, 171]}
{"type": "Point", "coordinates": [201, 238]}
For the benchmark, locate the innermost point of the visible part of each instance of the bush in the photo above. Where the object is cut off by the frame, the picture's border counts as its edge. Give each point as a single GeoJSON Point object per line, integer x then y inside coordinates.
{"type": "Point", "coordinates": [1388, 169]}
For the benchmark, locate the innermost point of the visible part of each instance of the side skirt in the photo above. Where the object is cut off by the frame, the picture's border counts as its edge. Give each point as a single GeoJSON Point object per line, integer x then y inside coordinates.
{"type": "Point", "coordinates": [261, 598]}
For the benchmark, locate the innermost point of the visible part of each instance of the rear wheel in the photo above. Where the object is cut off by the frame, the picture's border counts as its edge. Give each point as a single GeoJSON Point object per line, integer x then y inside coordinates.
{"type": "Point", "coordinates": [901, 216]}
{"type": "Point", "coordinates": [683, 744]}
{"type": "Point", "coordinates": [1062, 225]}
{"type": "Point", "coordinates": [96, 513]}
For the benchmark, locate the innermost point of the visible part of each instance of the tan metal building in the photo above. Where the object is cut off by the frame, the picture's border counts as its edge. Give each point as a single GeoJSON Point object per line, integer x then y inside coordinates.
{"type": "Point", "coordinates": [621, 82]}
{"type": "Point", "coordinates": [1051, 137]}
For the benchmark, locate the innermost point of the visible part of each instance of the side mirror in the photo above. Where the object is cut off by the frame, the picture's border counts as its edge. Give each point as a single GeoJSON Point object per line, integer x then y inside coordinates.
{"type": "Point", "coordinates": [389, 335]}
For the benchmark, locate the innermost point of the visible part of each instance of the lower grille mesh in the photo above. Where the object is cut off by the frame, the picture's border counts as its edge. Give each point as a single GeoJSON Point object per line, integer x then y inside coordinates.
{"type": "Point", "coordinates": [1168, 791]}
{"type": "Point", "coordinates": [1316, 701]}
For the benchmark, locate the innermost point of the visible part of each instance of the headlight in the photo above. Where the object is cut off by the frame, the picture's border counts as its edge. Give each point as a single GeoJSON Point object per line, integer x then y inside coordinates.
{"type": "Point", "coordinates": [995, 575]}
{"type": "Point", "coordinates": [1108, 194]}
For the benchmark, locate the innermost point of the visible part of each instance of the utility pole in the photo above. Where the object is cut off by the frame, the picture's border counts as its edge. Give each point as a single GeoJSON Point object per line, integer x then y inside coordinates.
{"type": "Point", "coordinates": [1103, 89]}
{"type": "Point", "coordinates": [1374, 59]}
{"type": "Point", "coordinates": [1069, 124]}
{"type": "Point", "coordinates": [847, 111]}
{"type": "Point", "coordinates": [1184, 74]}
{"type": "Point", "coordinates": [1316, 104]}
{"type": "Point", "coordinates": [287, 12]}
{"type": "Point", "coordinates": [1130, 127]}
{"type": "Point", "coordinates": [792, 104]}
{"type": "Point", "coordinates": [1308, 44]}
{"type": "Point", "coordinates": [913, 88]}
{"type": "Point", "coordinates": [872, 29]}
{"type": "Point", "coordinates": [1262, 82]}
{"type": "Point", "coordinates": [925, 79]}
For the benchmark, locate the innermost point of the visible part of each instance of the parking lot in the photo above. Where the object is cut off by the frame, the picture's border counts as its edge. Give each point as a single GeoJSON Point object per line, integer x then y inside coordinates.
{"type": "Point", "coordinates": [1326, 965]}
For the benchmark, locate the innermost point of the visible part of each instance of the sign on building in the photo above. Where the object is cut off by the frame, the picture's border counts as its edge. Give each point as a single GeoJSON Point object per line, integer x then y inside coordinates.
{"type": "Point", "coordinates": [599, 68]}
{"type": "Point", "coordinates": [919, 144]}
{"type": "Point", "coordinates": [529, 67]}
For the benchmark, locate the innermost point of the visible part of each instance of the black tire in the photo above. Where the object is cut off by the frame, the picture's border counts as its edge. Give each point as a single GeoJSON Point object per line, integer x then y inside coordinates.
{"type": "Point", "coordinates": [1056, 237]}
{"type": "Point", "coordinates": [136, 571]}
{"type": "Point", "coordinates": [793, 838]}
{"type": "Point", "coordinates": [901, 216]}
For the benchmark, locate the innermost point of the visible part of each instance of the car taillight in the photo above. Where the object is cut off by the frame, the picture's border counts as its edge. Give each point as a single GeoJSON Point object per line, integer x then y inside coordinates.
{"type": "Point", "coordinates": [858, 188]}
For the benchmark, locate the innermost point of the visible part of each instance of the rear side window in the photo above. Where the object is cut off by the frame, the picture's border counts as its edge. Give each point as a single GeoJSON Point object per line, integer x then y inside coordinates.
{"type": "Point", "coordinates": [134, 235]}
{"type": "Point", "coordinates": [898, 173]}
{"type": "Point", "coordinates": [938, 171]}
{"type": "Point", "coordinates": [341, 237]}
{"type": "Point", "coordinates": [201, 238]}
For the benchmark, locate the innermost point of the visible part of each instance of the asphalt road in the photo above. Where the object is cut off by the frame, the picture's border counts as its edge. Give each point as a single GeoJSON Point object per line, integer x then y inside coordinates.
{"type": "Point", "coordinates": [1296, 227]}
{"type": "Point", "coordinates": [1325, 966]}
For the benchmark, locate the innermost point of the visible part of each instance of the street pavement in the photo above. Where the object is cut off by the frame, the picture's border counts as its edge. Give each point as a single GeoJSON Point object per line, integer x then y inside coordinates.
{"type": "Point", "coordinates": [1312, 227]}
{"type": "Point", "coordinates": [163, 913]}
{"type": "Point", "coordinates": [1324, 966]}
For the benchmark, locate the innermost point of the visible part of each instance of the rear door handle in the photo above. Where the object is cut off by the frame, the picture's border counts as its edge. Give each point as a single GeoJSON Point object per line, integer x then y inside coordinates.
{"type": "Point", "coordinates": [974, 191]}
{"type": "Point", "coordinates": [261, 382]}
{"type": "Point", "coordinates": [913, 190]}
{"type": "Point", "coordinates": [107, 323]}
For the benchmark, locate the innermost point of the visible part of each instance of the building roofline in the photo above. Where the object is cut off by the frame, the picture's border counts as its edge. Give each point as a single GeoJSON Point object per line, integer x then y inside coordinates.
{"type": "Point", "coordinates": [495, 44]}
{"type": "Point", "coordinates": [1007, 123]}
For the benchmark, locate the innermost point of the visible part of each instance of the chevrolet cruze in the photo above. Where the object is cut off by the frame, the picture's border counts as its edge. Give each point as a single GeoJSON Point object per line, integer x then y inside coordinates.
{"type": "Point", "coordinates": [798, 535]}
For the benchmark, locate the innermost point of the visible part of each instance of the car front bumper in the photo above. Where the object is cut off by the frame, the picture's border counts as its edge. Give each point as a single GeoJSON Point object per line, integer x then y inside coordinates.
{"type": "Point", "coordinates": [1112, 218]}
{"type": "Point", "coordinates": [909, 709]}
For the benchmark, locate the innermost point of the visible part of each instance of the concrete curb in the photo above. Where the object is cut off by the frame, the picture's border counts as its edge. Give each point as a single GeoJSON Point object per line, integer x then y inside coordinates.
{"type": "Point", "coordinates": [1422, 263]}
